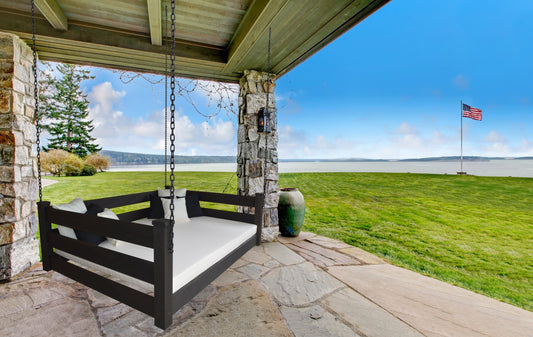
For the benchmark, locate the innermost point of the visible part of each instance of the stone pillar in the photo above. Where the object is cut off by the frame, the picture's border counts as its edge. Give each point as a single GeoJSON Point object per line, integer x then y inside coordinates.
{"type": "Point", "coordinates": [19, 248]}
{"type": "Point", "coordinates": [255, 148]}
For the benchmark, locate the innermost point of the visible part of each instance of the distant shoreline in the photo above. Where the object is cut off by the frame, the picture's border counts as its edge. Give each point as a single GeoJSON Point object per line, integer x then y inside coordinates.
{"type": "Point", "coordinates": [126, 158]}
{"type": "Point", "coordinates": [497, 167]}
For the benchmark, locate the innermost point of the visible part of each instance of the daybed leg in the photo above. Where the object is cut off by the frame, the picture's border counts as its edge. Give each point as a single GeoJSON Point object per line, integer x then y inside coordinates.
{"type": "Point", "coordinates": [45, 226]}
{"type": "Point", "coordinates": [163, 274]}
{"type": "Point", "coordinates": [259, 202]}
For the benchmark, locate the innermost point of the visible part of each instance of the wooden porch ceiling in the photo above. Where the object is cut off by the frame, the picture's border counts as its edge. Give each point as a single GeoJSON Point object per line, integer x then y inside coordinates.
{"type": "Point", "coordinates": [215, 40]}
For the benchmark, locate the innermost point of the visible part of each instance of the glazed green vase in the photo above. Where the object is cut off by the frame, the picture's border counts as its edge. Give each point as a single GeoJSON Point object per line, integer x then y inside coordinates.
{"type": "Point", "coordinates": [291, 211]}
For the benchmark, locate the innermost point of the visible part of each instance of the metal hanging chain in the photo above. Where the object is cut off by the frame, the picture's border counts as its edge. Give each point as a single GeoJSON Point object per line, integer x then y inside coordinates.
{"type": "Point", "coordinates": [268, 73]}
{"type": "Point", "coordinates": [36, 98]}
{"type": "Point", "coordinates": [267, 116]}
{"type": "Point", "coordinates": [166, 93]}
{"type": "Point", "coordinates": [172, 119]}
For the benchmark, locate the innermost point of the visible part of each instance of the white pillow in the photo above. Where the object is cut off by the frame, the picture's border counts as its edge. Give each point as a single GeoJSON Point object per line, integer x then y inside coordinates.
{"type": "Point", "coordinates": [180, 209]}
{"type": "Point", "coordinates": [107, 213]}
{"type": "Point", "coordinates": [178, 193]}
{"type": "Point", "coordinates": [78, 206]}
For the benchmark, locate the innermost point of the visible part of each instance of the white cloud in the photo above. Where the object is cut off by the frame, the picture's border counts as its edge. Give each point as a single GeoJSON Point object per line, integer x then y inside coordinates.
{"type": "Point", "coordinates": [494, 137]}
{"type": "Point", "coordinates": [115, 130]}
{"type": "Point", "coordinates": [406, 129]}
{"type": "Point", "coordinates": [527, 146]}
{"type": "Point", "coordinates": [408, 142]}
{"type": "Point", "coordinates": [496, 144]}
{"type": "Point", "coordinates": [408, 136]}
{"type": "Point", "coordinates": [294, 144]}
{"type": "Point", "coordinates": [461, 81]}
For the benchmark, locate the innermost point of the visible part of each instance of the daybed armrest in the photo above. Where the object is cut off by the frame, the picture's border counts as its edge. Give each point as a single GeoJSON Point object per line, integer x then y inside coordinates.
{"type": "Point", "coordinates": [247, 202]}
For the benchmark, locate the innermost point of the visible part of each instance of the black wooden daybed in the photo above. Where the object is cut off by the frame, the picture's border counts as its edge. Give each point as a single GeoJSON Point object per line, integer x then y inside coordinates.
{"type": "Point", "coordinates": [67, 256]}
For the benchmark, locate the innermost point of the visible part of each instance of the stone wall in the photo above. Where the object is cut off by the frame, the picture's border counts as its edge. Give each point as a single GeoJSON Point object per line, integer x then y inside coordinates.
{"type": "Point", "coordinates": [18, 185]}
{"type": "Point", "coordinates": [255, 148]}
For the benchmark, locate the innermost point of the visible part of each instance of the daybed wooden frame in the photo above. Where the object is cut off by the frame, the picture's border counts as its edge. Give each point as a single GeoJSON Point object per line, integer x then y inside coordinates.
{"type": "Point", "coordinates": [163, 303]}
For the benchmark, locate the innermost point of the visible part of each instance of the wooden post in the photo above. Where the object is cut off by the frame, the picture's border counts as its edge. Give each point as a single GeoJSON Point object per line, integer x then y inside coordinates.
{"type": "Point", "coordinates": [259, 202]}
{"type": "Point", "coordinates": [163, 274]}
{"type": "Point", "coordinates": [45, 226]}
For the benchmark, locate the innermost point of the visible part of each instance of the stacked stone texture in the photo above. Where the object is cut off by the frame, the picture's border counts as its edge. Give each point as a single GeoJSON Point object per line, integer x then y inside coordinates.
{"type": "Point", "coordinates": [255, 148]}
{"type": "Point", "coordinates": [18, 185]}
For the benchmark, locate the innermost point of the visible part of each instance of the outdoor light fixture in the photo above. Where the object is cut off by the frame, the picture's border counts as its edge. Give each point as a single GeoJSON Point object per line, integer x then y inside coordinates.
{"type": "Point", "coordinates": [263, 120]}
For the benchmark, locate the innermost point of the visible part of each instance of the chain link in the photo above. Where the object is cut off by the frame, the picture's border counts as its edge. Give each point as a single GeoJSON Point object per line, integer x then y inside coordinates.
{"type": "Point", "coordinates": [36, 97]}
{"type": "Point", "coordinates": [166, 93]}
{"type": "Point", "coordinates": [268, 123]}
{"type": "Point", "coordinates": [172, 118]}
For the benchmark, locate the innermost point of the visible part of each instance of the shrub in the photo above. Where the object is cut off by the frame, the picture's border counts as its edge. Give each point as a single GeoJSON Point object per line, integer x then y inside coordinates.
{"type": "Point", "coordinates": [53, 161]}
{"type": "Point", "coordinates": [98, 161]}
{"type": "Point", "coordinates": [88, 170]}
{"type": "Point", "coordinates": [73, 165]}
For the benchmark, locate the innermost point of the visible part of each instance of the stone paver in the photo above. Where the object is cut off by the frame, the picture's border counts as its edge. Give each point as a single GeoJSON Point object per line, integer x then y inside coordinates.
{"type": "Point", "coordinates": [62, 317]}
{"type": "Point", "coordinates": [273, 291]}
{"type": "Point", "coordinates": [364, 315]}
{"type": "Point", "coordinates": [299, 284]}
{"type": "Point", "coordinates": [314, 321]}
{"type": "Point", "coordinates": [327, 242]}
{"type": "Point", "coordinates": [229, 277]}
{"type": "Point", "coordinates": [361, 255]}
{"type": "Point", "coordinates": [237, 310]}
{"type": "Point", "coordinates": [434, 307]}
{"type": "Point", "coordinates": [321, 256]}
{"type": "Point", "coordinates": [282, 254]}
{"type": "Point", "coordinates": [256, 255]}
{"type": "Point", "coordinates": [253, 270]}
{"type": "Point", "coordinates": [302, 236]}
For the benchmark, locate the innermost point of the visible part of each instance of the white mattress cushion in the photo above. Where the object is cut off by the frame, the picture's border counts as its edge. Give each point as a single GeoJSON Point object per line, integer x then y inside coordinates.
{"type": "Point", "coordinates": [198, 245]}
{"type": "Point", "coordinates": [78, 206]}
{"type": "Point", "coordinates": [107, 213]}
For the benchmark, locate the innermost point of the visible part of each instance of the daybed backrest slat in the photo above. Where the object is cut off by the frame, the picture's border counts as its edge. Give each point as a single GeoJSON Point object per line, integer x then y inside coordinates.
{"type": "Point", "coordinates": [118, 229]}
{"type": "Point", "coordinates": [134, 298]}
{"type": "Point", "coordinates": [122, 200]}
{"type": "Point", "coordinates": [216, 213]}
{"type": "Point", "coordinates": [123, 263]}
{"type": "Point", "coordinates": [230, 199]}
{"type": "Point", "coordinates": [134, 215]}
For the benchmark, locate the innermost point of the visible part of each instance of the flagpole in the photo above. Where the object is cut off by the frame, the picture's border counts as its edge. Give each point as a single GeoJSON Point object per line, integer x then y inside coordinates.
{"type": "Point", "coordinates": [461, 116]}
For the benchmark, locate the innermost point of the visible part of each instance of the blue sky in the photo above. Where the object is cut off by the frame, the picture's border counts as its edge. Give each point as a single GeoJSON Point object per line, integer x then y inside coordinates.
{"type": "Point", "coordinates": [389, 88]}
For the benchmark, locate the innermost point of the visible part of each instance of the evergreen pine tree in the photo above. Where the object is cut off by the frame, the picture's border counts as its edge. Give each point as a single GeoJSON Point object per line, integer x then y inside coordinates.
{"type": "Point", "coordinates": [64, 111]}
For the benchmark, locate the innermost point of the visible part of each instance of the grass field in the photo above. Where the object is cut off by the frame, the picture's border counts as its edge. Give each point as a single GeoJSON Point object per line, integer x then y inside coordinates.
{"type": "Point", "coordinates": [475, 232]}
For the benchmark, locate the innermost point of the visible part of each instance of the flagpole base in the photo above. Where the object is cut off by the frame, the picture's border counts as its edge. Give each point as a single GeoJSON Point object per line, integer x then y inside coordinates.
{"type": "Point", "coordinates": [462, 173]}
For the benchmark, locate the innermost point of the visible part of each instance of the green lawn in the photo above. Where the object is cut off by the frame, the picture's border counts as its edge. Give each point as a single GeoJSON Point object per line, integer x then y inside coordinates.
{"type": "Point", "coordinates": [475, 232]}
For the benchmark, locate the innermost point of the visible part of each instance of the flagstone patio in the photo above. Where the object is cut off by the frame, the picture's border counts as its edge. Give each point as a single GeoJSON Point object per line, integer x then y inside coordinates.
{"type": "Point", "coordinates": [305, 286]}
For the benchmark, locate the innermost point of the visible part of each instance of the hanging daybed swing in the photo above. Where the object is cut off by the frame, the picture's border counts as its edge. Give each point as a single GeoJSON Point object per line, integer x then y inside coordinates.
{"type": "Point", "coordinates": [153, 259]}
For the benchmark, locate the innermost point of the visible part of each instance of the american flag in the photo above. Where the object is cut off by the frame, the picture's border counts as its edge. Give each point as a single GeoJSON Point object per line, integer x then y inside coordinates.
{"type": "Point", "coordinates": [470, 112]}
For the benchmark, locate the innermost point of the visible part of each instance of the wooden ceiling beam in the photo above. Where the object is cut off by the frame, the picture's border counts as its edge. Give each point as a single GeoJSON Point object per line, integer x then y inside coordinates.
{"type": "Point", "coordinates": [100, 37]}
{"type": "Point", "coordinates": [154, 19]}
{"type": "Point", "coordinates": [53, 13]}
{"type": "Point", "coordinates": [254, 24]}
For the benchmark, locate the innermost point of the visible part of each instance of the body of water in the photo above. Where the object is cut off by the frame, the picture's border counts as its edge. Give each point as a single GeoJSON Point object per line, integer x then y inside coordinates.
{"type": "Point", "coordinates": [505, 168]}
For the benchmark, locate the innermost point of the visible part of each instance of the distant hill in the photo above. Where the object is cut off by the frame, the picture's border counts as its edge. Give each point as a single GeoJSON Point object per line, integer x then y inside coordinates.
{"type": "Point", "coordinates": [449, 158]}
{"type": "Point", "coordinates": [127, 158]}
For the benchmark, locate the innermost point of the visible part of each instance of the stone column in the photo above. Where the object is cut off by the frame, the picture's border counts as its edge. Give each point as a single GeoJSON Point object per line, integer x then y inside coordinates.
{"type": "Point", "coordinates": [19, 248]}
{"type": "Point", "coordinates": [255, 148]}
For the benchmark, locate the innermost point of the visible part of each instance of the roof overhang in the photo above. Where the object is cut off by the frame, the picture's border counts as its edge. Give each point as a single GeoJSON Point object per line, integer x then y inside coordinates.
{"type": "Point", "coordinates": [213, 41]}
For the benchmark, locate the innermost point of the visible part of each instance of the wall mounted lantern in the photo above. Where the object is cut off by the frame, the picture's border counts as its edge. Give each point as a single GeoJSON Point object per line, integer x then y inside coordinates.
{"type": "Point", "coordinates": [263, 120]}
